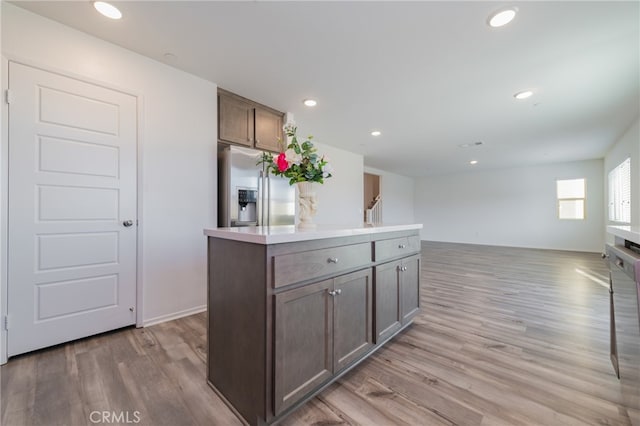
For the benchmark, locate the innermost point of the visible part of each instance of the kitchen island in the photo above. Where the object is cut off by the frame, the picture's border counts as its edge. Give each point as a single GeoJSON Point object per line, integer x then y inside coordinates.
{"type": "Point", "coordinates": [623, 257]}
{"type": "Point", "coordinates": [290, 311]}
{"type": "Point", "coordinates": [625, 232]}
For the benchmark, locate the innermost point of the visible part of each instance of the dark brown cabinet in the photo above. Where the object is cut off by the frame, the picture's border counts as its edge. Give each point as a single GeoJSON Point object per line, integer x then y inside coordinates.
{"type": "Point", "coordinates": [244, 122]}
{"type": "Point", "coordinates": [352, 317]}
{"type": "Point", "coordinates": [397, 290]}
{"type": "Point", "coordinates": [268, 130]}
{"type": "Point", "coordinates": [410, 288]}
{"type": "Point", "coordinates": [301, 313]}
{"type": "Point", "coordinates": [387, 291]}
{"type": "Point", "coordinates": [319, 329]}
{"type": "Point", "coordinates": [235, 120]}
{"type": "Point", "coordinates": [303, 342]}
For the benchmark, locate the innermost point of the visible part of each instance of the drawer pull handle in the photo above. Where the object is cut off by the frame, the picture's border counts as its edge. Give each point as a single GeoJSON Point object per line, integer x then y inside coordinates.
{"type": "Point", "coordinates": [401, 246]}
{"type": "Point", "coordinates": [332, 260]}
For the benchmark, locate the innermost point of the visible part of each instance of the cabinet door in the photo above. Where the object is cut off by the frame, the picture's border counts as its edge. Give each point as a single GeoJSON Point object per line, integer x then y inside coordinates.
{"type": "Point", "coordinates": [303, 342]}
{"type": "Point", "coordinates": [352, 322]}
{"type": "Point", "coordinates": [269, 134]}
{"type": "Point", "coordinates": [387, 300]}
{"type": "Point", "coordinates": [410, 288]}
{"type": "Point", "coordinates": [235, 120]}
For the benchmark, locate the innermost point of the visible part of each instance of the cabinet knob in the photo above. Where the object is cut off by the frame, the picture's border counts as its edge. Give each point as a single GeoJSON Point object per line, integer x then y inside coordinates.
{"type": "Point", "coordinates": [332, 292]}
{"type": "Point", "coordinates": [402, 268]}
{"type": "Point", "coordinates": [332, 260]}
{"type": "Point", "coordinates": [401, 246]}
{"type": "Point", "coordinates": [339, 291]}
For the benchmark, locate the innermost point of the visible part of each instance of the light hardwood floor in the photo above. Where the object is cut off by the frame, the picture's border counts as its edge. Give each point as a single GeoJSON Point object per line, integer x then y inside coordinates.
{"type": "Point", "coordinates": [505, 337]}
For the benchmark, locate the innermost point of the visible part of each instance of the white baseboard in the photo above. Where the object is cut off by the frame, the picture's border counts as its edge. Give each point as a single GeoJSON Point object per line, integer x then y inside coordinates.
{"type": "Point", "coordinates": [174, 315]}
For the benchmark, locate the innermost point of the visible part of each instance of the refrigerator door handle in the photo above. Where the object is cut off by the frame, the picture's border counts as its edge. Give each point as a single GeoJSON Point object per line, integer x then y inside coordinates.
{"type": "Point", "coordinates": [268, 200]}
{"type": "Point", "coordinates": [260, 208]}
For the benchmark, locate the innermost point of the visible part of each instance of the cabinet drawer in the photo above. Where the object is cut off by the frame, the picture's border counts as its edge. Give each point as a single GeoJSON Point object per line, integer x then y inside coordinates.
{"type": "Point", "coordinates": [396, 247]}
{"type": "Point", "coordinates": [296, 267]}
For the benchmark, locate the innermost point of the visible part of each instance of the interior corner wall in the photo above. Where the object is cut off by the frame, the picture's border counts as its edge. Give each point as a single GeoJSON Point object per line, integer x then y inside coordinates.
{"type": "Point", "coordinates": [3, 205]}
{"type": "Point", "coordinates": [178, 138]}
{"type": "Point", "coordinates": [514, 207]}
{"type": "Point", "coordinates": [397, 194]}
{"type": "Point", "coordinates": [628, 146]}
{"type": "Point", "coordinates": [340, 197]}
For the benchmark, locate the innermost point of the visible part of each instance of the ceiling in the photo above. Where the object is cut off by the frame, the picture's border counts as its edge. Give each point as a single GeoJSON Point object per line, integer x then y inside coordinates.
{"type": "Point", "coordinates": [429, 75]}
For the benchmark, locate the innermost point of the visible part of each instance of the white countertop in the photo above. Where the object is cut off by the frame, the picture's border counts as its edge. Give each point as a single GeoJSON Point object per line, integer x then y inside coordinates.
{"type": "Point", "coordinates": [631, 233]}
{"type": "Point", "coordinates": [288, 234]}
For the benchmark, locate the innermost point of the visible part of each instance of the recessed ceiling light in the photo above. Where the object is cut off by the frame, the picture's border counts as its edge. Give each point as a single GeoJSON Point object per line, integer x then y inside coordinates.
{"type": "Point", "coordinates": [523, 95]}
{"type": "Point", "coordinates": [310, 102]}
{"type": "Point", "coordinates": [502, 17]}
{"type": "Point", "coordinates": [473, 162]}
{"type": "Point", "coordinates": [107, 10]}
{"type": "Point", "coordinates": [376, 133]}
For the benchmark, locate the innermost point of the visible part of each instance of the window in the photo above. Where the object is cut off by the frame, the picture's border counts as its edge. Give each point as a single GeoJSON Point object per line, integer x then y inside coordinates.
{"type": "Point", "coordinates": [620, 193]}
{"type": "Point", "coordinates": [571, 198]}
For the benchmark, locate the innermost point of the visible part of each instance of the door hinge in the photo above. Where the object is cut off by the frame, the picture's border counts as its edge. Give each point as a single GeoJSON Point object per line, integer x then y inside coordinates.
{"type": "Point", "coordinates": [5, 322]}
{"type": "Point", "coordinates": [8, 96]}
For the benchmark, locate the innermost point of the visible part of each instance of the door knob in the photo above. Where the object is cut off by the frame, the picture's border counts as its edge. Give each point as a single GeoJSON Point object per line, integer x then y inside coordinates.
{"type": "Point", "coordinates": [128, 223]}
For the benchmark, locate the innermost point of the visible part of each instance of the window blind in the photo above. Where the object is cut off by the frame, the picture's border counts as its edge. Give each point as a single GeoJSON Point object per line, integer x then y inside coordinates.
{"type": "Point", "coordinates": [620, 193]}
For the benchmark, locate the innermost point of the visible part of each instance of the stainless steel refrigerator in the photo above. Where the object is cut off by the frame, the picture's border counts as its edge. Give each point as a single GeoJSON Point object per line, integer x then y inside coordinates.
{"type": "Point", "coordinates": [247, 194]}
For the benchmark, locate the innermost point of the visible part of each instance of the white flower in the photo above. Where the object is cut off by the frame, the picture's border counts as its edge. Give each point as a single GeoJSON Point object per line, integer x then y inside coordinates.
{"type": "Point", "coordinates": [292, 157]}
{"type": "Point", "coordinates": [327, 169]}
{"type": "Point", "coordinates": [289, 127]}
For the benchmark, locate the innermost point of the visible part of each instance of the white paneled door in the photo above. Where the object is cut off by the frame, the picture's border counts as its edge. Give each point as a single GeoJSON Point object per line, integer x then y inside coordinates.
{"type": "Point", "coordinates": [72, 209]}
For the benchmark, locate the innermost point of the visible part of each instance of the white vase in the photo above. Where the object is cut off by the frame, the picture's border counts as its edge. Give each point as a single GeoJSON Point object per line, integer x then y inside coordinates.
{"type": "Point", "coordinates": [307, 204]}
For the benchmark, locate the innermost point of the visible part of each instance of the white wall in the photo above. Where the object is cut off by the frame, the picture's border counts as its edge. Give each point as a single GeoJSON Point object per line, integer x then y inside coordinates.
{"type": "Point", "coordinates": [627, 146]}
{"type": "Point", "coordinates": [178, 140]}
{"type": "Point", "coordinates": [3, 206]}
{"type": "Point", "coordinates": [511, 207]}
{"type": "Point", "coordinates": [340, 197]}
{"type": "Point", "coordinates": [397, 193]}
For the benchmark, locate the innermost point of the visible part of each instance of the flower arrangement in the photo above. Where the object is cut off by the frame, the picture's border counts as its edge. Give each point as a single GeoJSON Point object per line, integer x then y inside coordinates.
{"type": "Point", "coordinates": [299, 162]}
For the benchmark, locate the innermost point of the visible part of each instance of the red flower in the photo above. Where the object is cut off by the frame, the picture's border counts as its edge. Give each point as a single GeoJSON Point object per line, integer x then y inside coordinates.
{"type": "Point", "coordinates": [282, 162]}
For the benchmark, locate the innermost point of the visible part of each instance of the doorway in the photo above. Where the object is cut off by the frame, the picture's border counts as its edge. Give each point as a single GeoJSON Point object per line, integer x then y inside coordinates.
{"type": "Point", "coordinates": [372, 198]}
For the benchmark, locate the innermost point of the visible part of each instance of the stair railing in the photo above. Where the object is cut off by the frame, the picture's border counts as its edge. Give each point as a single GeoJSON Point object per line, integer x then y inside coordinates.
{"type": "Point", "coordinates": [374, 213]}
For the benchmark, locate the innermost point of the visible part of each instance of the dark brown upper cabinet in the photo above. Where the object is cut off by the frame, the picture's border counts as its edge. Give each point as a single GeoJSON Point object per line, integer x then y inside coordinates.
{"type": "Point", "coordinates": [242, 121]}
